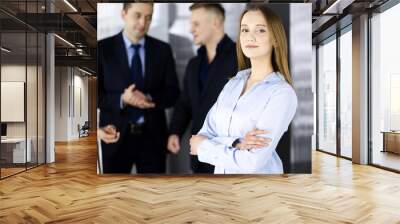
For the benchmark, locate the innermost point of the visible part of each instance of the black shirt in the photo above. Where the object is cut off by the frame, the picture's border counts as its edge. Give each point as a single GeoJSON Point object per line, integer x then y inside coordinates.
{"type": "Point", "coordinates": [203, 83]}
{"type": "Point", "coordinates": [204, 65]}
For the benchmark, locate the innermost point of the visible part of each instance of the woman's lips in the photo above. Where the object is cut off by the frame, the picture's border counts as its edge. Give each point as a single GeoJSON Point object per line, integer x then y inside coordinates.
{"type": "Point", "coordinates": [251, 46]}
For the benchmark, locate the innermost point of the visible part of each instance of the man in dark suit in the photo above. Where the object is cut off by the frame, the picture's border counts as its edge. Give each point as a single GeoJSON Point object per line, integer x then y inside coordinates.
{"type": "Point", "coordinates": [205, 76]}
{"type": "Point", "coordinates": [136, 81]}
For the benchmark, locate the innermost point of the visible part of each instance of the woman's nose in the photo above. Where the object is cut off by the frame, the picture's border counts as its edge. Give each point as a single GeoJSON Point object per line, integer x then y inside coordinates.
{"type": "Point", "coordinates": [250, 37]}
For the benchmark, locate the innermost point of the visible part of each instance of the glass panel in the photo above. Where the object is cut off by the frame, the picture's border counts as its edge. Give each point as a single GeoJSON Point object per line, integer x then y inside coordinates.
{"type": "Point", "coordinates": [13, 86]}
{"type": "Point", "coordinates": [385, 84]}
{"type": "Point", "coordinates": [31, 84]}
{"type": "Point", "coordinates": [23, 84]}
{"type": "Point", "coordinates": [31, 98]}
{"type": "Point", "coordinates": [13, 92]}
{"type": "Point", "coordinates": [327, 96]}
{"type": "Point", "coordinates": [346, 94]}
{"type": "Point", "coordinates": [41, 99]}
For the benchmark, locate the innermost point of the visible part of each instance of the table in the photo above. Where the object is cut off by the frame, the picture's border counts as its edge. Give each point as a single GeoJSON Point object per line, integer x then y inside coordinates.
{"type": "Point", "coordinates": [391, 141]}
{"type": "Point", "coordinates": [13, 150]}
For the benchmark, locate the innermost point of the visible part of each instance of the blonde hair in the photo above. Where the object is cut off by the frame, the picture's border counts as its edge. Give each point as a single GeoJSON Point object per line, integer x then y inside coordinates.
{"type": "Point", "coordinates": [279, 57]}
{"type": "Point", "coordinates": [214, 7]}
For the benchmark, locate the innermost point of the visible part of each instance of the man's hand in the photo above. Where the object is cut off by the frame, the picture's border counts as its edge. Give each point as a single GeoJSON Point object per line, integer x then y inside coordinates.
{"type": "Point", "coordinates": [251, 141]}
{"type": "Point", "coordinates": [174, 144]}
{"type": "Point", "coordinates": [136, 98]}
{"type": "Point", "coordinates": [195, 141]}
{"type": "Point", "coordinates": [108, 134]}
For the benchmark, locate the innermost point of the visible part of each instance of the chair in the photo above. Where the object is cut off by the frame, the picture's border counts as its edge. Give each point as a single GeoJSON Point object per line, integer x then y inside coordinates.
{"type": "Point", "coordinates": [84, 130]}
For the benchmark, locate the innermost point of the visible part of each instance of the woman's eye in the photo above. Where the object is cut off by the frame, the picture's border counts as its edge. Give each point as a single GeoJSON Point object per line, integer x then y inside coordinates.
{"type": "Point", "coordinates": [261, 30]}
{"type": "Point", "coordinates": [244, 30]}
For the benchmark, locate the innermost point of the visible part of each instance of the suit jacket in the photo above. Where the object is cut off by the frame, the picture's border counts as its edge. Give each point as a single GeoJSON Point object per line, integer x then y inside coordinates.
{"type": "Point", "coordinates": [194, 104]}
{"type": "Point", "coordinates": [114, 75]}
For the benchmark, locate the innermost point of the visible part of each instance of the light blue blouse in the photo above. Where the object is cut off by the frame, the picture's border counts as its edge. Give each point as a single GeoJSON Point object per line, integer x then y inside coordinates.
{"type": "Point", "coordinates": [268, 105]}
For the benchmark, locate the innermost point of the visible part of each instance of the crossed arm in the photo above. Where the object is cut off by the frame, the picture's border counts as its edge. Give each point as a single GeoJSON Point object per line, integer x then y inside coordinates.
{"type": "Point", "coordinates": [214, 149]}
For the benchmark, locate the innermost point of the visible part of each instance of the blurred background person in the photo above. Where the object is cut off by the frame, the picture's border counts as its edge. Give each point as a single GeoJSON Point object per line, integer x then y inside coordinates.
{"type": "Point", "coordinates": [205, 75]}
{"type": "Point", "coordinates": [137, 81]}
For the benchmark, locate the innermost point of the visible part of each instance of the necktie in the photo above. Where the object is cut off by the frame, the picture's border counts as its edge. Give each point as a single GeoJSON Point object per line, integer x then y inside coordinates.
{"type": "Point", "coordinates": [136, 68]}
{"type": "Point", "coordinates": [137, 77]}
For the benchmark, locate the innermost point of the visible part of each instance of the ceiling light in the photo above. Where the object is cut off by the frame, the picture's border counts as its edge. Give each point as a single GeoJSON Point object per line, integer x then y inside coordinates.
{"type": "Point", "coordinates": [84, 71]}
{"type": "Point", "coordinates": [70, 5]}
{"type": "Point", "coordinates": [5, 50]}
{"type": "Point", "coordinates": [338, 6]}
{"type": "Point", "coordinates": [64, 40]}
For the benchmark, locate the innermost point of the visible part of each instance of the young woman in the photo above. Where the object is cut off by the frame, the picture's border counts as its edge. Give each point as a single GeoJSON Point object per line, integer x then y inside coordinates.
{"type": "Point", "coordinates": [259, 97]}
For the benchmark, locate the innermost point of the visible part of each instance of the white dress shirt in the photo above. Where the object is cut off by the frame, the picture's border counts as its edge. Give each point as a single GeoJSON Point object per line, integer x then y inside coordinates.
{"type": "Point", "coordinates": [268, 105]}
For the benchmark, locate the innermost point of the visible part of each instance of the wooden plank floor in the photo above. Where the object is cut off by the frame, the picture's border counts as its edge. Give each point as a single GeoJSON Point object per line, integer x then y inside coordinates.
{"type": "Point", "coordinates": [69, 191]}
{"type": "Point", "coordinates": [10, 171]}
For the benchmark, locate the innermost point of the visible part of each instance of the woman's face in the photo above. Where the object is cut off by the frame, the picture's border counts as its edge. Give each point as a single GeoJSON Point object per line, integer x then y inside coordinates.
{"type": "Point", "coordinates": [255, 38]}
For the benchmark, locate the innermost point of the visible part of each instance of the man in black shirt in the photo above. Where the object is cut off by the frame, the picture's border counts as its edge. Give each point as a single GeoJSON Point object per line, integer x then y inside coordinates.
{"type": "Point", "coordinates": [205, 75]}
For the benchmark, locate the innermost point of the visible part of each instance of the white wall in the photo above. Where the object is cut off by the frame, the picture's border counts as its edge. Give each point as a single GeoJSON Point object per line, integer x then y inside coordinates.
{"type": "Point", "coordinates": [33, 127]}
{"type": "Point", "coordinates": [69, 82]}
{"type": "Point", "coordinates": [61, 103]}
{"type": "Point", "coordinates": [12, 73]}
{"type": "Point", "coordinates": [80, 84]}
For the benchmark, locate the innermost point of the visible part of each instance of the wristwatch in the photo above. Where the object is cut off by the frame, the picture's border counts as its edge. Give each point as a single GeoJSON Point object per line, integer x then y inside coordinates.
{"type": "Point", "coordinates": [237, 141]}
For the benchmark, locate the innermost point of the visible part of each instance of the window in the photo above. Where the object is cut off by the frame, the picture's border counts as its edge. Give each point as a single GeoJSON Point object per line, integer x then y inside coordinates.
{"type": "Point", "coordinates": [327, 95]}
{"type": "Point", "coordinates": [385, 89]}
{"type": "Point", "coordinates": [346, 92]}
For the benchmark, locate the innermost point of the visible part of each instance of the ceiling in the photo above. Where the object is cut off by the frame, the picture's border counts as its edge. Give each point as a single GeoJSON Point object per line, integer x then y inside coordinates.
{"type": "Point", "coordinates": [77, 27]}
{"type": "Point", "coordinates": [76, 23]}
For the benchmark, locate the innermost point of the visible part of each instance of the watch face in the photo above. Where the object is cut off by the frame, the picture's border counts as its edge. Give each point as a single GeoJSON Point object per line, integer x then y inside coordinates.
{"type": "Point", "coordinates": [237, 141]}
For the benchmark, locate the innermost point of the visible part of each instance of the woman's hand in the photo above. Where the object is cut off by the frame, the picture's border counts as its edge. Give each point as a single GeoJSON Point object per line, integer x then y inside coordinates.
{"type": "Point", "coordinates": [195, 141]}
{"type": "Point", "coordinates": [252, 141]}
